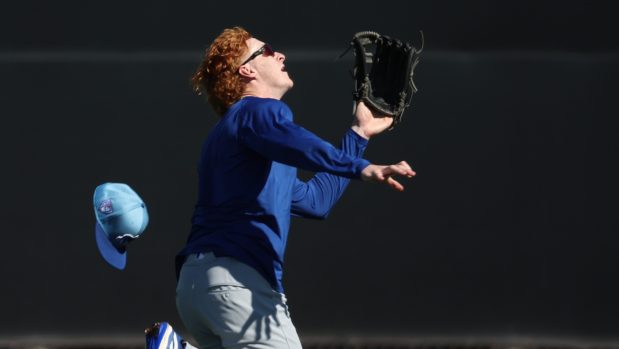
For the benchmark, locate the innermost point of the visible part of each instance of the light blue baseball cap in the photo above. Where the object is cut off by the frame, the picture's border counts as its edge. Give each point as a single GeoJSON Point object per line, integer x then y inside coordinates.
{"type": "Point", "coordinates": [121, 218]}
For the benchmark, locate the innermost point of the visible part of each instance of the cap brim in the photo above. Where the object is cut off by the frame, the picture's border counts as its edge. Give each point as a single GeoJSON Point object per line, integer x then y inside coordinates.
{"type": "Point", "coordinates": [111, 255]}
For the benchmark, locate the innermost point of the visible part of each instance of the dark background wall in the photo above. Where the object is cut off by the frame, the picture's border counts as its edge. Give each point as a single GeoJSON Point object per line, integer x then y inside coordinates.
{"type": "Point", "coordinates": [508, 229]}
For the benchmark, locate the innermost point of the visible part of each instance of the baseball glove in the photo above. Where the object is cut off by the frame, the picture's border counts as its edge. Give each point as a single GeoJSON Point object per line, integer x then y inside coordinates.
{"type": "Point", "coordinates": [383, 72]}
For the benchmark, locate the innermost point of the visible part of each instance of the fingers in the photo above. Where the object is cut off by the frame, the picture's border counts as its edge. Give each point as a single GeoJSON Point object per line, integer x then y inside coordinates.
{"type": "Point", "coordinates": [384, 174]}
{"type": "Point", "coordinates": [394, 184]}
{"type": "Point", "coordinates": [407, 168]}
{"type": "Point", "coordinates": [402, 168]}
{"type": "Point", "coordinates": [405, 165]}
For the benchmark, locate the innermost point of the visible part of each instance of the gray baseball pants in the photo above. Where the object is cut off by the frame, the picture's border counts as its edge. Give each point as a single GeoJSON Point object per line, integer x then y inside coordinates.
{"type": "Point", "coordinates": [227, 304]}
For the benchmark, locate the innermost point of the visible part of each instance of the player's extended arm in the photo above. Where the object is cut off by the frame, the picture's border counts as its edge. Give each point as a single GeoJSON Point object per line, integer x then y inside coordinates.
{"type": "Point", "coordinates": [316, 197]}
{"type": "Point", "coordinates": [271, 133]}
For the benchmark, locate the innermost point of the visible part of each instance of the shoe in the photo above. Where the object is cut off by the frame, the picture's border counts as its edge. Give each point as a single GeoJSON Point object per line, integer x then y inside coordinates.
{"type": "Point", "coordinates": [161, 335]}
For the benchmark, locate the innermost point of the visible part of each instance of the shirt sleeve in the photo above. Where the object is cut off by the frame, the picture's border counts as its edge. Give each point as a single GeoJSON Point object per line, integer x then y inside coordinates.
{"type": "Point", "coordinates": [316, 197]}
{"type": "Point", "coordinates": [268, 129]}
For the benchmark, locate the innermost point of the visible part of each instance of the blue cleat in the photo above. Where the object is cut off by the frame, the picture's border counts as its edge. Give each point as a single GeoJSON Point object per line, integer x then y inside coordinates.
{"type": "Point", "coordinates": [161, 335]}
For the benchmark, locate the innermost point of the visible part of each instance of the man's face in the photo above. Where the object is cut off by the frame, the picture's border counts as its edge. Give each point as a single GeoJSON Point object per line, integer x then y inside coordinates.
{"type": "Point", "coordinates": [269, 66]}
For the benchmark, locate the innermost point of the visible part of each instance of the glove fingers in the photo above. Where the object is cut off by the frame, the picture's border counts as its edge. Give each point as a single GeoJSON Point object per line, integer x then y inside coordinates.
{"type": "Point", "coordinates": [379, 75]}
{"type": "Point", "coordinates": [383, 73]}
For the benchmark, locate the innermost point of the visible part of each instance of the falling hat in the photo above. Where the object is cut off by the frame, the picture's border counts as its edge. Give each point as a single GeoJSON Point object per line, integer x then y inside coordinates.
{"type": "Point", "coordinates": [121, 218]}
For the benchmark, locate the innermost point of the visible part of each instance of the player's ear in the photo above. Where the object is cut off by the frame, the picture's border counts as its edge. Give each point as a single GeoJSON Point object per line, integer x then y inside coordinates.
{"type": "Point", "coordinates": [247, 71]}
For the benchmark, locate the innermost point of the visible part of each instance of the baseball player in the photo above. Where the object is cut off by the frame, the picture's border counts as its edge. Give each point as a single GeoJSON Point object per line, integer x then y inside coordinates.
{"type": "Point", "coordinates": [230, 292]}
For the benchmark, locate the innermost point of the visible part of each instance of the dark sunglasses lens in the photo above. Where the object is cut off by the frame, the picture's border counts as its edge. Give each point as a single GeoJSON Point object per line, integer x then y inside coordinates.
{"type": "Point", "coordinates": [268, 50]}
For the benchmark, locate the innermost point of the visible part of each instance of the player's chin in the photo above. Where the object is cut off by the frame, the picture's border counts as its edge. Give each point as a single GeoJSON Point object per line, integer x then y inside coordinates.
{"type": "Point", "coordinates": [289, 83]}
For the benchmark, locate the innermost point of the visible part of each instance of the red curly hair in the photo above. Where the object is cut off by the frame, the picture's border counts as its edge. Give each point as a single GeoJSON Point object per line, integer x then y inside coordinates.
{"type": "Point", "coordinates": [218, 75]}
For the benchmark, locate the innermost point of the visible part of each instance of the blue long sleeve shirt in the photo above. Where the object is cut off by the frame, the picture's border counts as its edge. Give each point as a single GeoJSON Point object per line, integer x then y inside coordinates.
{"type": "Point", "coordinates": [248, 185]}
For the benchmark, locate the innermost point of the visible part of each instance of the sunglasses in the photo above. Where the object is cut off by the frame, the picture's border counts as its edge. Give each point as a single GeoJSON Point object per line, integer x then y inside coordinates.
{"type": "Point", "coordinates": [266, 49]}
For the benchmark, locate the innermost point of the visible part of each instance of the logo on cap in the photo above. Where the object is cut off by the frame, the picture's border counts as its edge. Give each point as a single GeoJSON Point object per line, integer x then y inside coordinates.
{"type": "Point", "coordinates": [106, 206]}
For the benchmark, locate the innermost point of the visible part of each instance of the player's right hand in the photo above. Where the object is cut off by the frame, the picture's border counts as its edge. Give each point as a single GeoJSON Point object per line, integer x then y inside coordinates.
{"type": "Point", "coordinates": [385, 173]}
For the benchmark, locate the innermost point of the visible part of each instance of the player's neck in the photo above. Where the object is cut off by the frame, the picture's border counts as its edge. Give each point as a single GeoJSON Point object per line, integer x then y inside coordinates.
{"type": "Point", "coordinates": [261, 91]}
